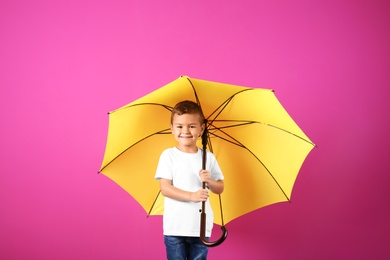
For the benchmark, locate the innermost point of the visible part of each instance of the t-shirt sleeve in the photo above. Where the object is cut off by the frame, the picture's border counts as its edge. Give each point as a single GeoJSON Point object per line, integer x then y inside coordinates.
{"type": "Point", "coordinates": [215, 170]}
{"type": "Point", "coordinates": [164, 167]}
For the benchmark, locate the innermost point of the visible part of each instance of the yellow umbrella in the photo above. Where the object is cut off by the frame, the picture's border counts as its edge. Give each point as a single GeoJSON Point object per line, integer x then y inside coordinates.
{"type": "Point", "coordinates": [259, 147]}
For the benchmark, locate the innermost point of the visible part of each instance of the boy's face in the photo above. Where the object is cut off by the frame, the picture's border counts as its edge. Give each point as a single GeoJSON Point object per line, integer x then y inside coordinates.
{"type": "Point", "coordinates": [187, 129]}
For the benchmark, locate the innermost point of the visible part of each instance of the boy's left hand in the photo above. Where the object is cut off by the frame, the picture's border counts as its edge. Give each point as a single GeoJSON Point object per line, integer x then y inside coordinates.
{"type": "Point", "coordinates": [205, 176]}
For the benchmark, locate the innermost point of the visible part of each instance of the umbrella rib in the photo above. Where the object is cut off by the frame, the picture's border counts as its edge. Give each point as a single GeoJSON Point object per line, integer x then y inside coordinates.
{"type": "Point", "coordinates": [297, 136]}
{"type": "Point", "coordinates": [144, 104]}
{"type": "Point", "coordinates": [164, 131]}
{"type": "Point", "coordinates": [154, 202]}
{"type": "Point", "coordinates": [238, 143]}
{"type": "Point", "coordinates": [195, 93]}
{"type": "Point", "coordinates": [243, 122]}
{"type": "Point", "coordinates": [224, 104]}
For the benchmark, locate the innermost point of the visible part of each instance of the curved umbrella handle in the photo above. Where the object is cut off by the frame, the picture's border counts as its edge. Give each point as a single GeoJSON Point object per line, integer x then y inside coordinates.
{"type": "Point", "coordinates": [203, 213]}
{"type": "Point", "coordinates": [203, 232]}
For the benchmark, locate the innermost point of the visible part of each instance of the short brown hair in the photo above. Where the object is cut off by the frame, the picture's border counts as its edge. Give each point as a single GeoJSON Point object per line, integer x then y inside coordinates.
{"type": "Point", "coordinates": [187, 107]}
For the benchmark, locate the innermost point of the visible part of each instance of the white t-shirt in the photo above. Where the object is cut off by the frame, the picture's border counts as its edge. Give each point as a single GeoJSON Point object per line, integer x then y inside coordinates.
{"type": "Point", "coordinates": [183, 218]}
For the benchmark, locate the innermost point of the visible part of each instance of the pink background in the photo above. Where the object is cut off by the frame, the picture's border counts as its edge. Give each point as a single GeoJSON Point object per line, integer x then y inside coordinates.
{"type": "Point", "coordinates": [65, 64]}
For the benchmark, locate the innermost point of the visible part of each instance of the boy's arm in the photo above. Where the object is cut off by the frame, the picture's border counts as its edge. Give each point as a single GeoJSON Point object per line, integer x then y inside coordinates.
{"type": "Point", "coordinates": [170, 191]}
{"type": "Point", "coordinates": [216, 187]}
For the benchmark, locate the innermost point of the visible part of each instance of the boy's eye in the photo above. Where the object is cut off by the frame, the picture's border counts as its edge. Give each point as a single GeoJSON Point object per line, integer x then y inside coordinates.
{"type": "Point", "coordinates": [180, 126]}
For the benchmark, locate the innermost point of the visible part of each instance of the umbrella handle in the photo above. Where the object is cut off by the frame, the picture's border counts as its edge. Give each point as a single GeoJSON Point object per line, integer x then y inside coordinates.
{"type": "Point", "coordinates": [203, 231]}
{"type": "Point", "coordinates": [203, 213]}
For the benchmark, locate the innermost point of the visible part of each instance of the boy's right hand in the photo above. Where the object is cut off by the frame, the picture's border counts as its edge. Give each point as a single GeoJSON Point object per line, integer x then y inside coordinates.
{"type": "Point", "coordinates": [200, 195]}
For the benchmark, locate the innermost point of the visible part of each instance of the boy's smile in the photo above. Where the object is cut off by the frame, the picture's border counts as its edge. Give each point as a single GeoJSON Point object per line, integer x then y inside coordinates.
{"type": "Point", "coordinates": [186, 129]}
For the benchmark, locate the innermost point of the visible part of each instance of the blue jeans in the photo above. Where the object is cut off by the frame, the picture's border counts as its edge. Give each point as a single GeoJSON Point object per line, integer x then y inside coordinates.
{"type": "Point", "coordinates": [181, 248]}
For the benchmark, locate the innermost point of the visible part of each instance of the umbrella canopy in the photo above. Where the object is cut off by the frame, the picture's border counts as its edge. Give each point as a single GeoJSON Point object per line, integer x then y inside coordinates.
{"type": "Point", "coordinates": [259, 147]}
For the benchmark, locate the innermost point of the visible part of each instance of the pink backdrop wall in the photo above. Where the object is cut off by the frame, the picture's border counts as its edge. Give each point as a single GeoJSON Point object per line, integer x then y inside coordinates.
{"type": "Point", "coordinates": [65, 64]}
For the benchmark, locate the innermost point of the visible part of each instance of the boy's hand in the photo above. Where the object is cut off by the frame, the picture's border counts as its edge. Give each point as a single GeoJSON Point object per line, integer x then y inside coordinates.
{"type": "Point", "coordinates": [214, 186]}
{"type": "Point", "coordinates": [200, 195]}
{"type": "Point", "coordinates": [205, 176]}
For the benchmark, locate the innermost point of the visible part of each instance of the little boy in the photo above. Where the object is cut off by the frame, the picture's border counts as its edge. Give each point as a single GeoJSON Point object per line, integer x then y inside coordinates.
{"type": "Point", "coordinates": [181, 176]}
